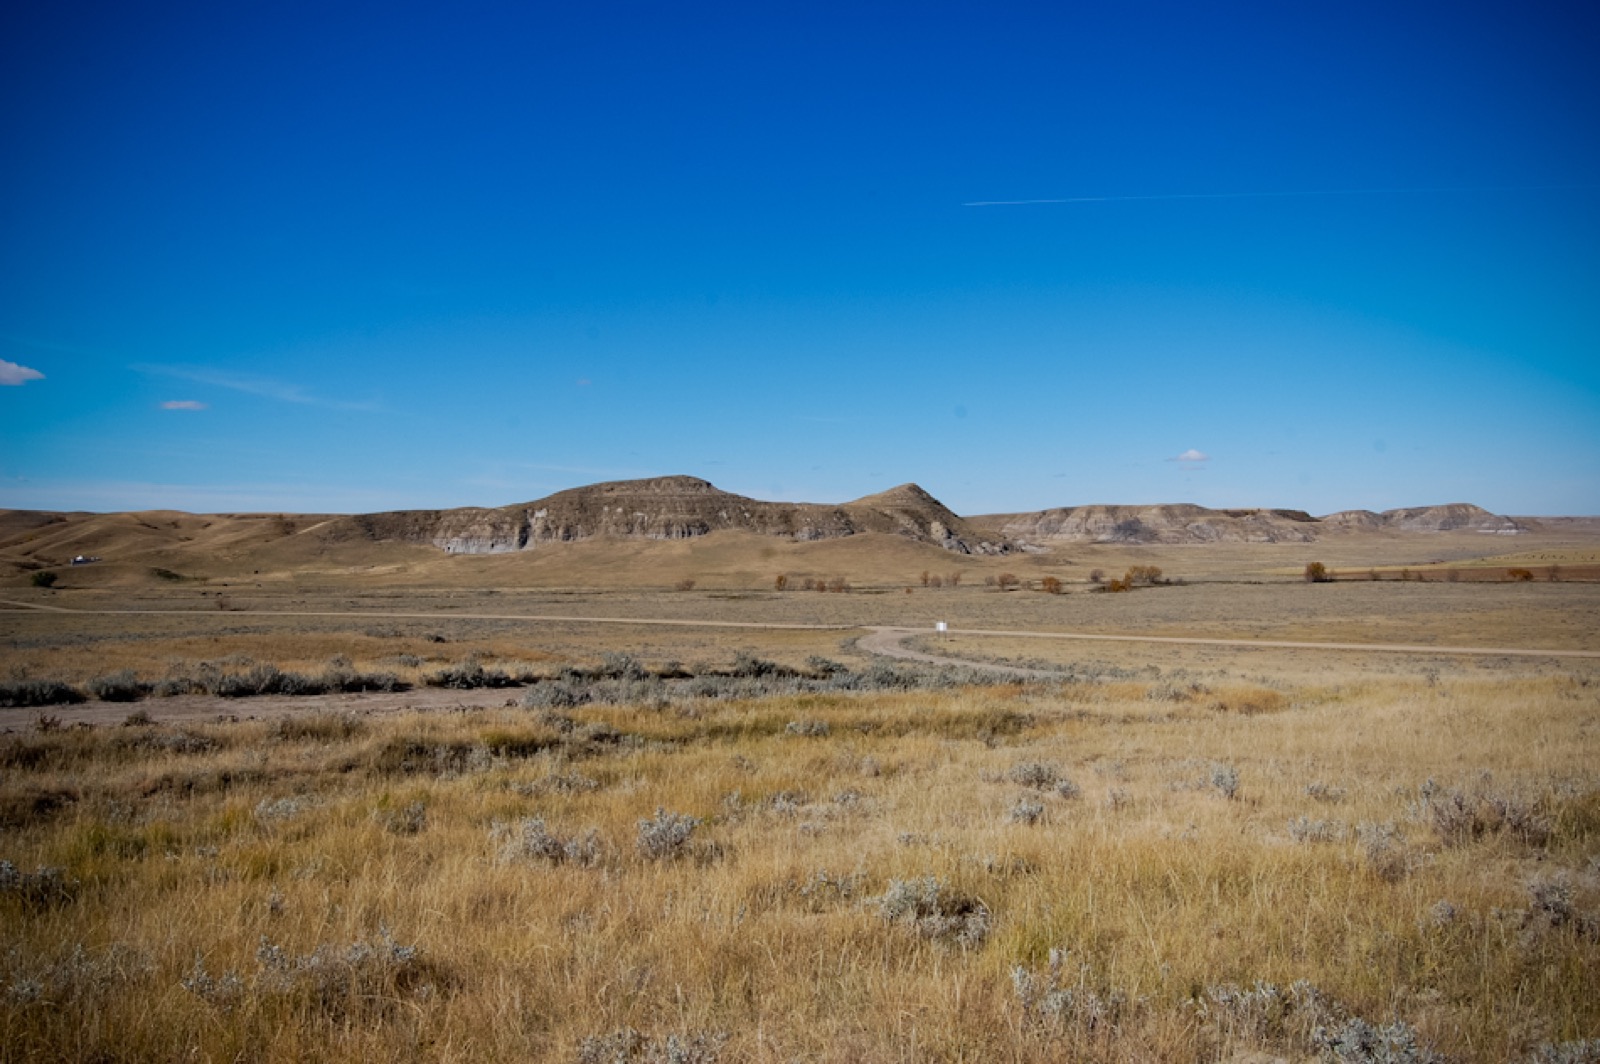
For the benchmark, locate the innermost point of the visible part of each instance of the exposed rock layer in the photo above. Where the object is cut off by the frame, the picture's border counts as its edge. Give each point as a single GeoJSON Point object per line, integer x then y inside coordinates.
{"type": "Point", "coordinates": [674, 508]}
{"type": "Point", "coordinates": [1184, 523]}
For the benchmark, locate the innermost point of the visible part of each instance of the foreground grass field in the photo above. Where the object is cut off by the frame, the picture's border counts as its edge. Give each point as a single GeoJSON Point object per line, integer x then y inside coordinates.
{"type": "Point", "coordinates": [1111, 869]}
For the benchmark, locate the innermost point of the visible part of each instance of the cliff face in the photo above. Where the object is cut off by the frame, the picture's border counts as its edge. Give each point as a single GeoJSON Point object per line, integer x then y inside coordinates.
{"type": "Point", "coordinates": [1185, 523]}
{"type": "Point", "coordinates": [673, 508]}
{"type": "Point", "coordinates": [1451, 517]}
{"type": "Point", "coordinates": [1447, 518]}
{"type": "Point", "coordinates": [1178, 523]}
{"type": "Point", "coordinates": [686, 507]}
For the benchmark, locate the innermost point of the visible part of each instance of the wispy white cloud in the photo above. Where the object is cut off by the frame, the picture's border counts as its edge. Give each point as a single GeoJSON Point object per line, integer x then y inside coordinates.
{"type": "Point", "coordinates": [13, 374]}
{"type": "Point", "coordinates": [1190, 457]}
{"type": "Point", "coordinates": [183, 404]}
{"type": "Point", "coordinates": [249, 384]}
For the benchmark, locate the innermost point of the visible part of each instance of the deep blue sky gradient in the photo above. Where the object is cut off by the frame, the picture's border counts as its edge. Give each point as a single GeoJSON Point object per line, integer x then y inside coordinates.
{"type": "Point", "coordinates": [407, 256]}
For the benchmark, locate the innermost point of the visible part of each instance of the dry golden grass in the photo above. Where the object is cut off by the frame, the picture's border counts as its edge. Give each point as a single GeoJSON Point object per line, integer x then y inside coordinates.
{"type": "Point", "coordinates": [209, 846]}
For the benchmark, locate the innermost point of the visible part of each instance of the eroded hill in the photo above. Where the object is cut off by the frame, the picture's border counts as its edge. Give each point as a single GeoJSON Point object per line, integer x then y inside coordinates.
{"type": "Point", "coordinates": [1186, 523]}
{"type": "Point", "coordinates": [670, 508]}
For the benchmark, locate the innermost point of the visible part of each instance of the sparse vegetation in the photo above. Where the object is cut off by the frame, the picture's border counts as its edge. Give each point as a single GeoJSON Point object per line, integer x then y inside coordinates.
{"type": "Point", "coordinates": [1317, 573]}
{"type": "Point", "coordinates": [43, 578]}
{"type": "Point", "coordinates": [229, 887]}
{"type": "Point", "coordinates": [698, 844]}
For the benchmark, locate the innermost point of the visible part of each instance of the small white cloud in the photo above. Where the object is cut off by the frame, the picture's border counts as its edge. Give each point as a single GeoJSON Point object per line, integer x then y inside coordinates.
{"type": "Point", "coordinates": [1191, 455]}
{"type": "Point", "coordinates": [11, 373]}
{"type": "Point", "coordinates": [182, 404]}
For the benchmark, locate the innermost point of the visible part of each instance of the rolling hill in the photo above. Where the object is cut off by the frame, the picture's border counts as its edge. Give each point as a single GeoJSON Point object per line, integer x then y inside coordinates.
{"type": "Point", "coordinates": [646, 532]}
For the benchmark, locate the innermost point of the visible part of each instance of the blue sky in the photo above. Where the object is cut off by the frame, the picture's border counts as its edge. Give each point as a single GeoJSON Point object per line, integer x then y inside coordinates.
{"type": "Point", "coordinates": [350, 257]}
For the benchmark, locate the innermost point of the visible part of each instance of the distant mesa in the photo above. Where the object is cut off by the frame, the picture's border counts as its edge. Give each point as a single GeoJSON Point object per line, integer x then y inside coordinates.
{"type": "Point", "coordinates": [682, 507]}
{"type": "Point", "coordinates": [1186, 523]}
{"type": "Point", "coordinates": [678, 507]}
{"type": "Point", "coordinates": [1449, 518]}
{"type": "Point", "coordinates": [662, 509]}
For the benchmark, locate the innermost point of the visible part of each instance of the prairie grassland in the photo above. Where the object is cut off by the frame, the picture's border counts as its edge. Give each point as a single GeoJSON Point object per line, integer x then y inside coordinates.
{"type": "Point", "coordinates": [1539, 615]}
{"type": "Point", "coordinates": [1404, 866]}
{"type": "Point", "coordinates": [76, 648]}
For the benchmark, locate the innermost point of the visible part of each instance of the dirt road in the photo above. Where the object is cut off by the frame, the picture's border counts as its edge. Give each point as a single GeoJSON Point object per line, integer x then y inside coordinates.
{"type": "Point", "coordinates": [885, 641]}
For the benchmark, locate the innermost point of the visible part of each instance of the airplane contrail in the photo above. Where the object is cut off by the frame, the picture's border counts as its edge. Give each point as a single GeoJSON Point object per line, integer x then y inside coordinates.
{"type": "Point", "coordinates": [1268, 195]}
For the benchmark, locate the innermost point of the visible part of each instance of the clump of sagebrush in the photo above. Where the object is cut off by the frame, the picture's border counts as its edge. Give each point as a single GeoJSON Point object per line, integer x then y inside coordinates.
{"type": "Point", "coordinates": [362, 977]}
{"type": "Point", "coordinates": [40, 888]}
{"type": "Point", "coordinates": [23, 694]}
{"type": "Point", "coordinates": [223, 679]}
{"type": "Point", "coordinates": [340, 675]}
{"type": "Point", "coordinates": [1385, 851]}
{"type": "Point", "coordinates": [469, 674]}
{"type": "Point", "coordinates": [935, 911]}
{"type": "Point", "coordinates": [666, 835]}
{"type": "Point", "coordinates": [265, 679]}
{"type": "Point", "coordinates": [1552, 908]}
{"type": "Point", "coordinates": [1040, 775]}
{"type": "Point", "coordinates": [221, 992]}
{"type": "Point", "coordinates": [1358, 1042]}
{"type": "Point", "coordinates": [555, 694]}
{"type": "Point", "coordinates": [76, 978]}
{"type": "Point", "coordinates": [530, 840]}
{"type": "Point", "coordinates": [1301, 1019]}
{"type": "Point", "coordinates": [617, 666]}
{"type": "Point", "coordinates": [1304, 829]}
{"type": "Point", "coordinates": [1026, 811]}
{"type": "Point", "coordinates": [1049, 1004]}
{"type": "Point", "coordinates": [1225, 778]}
{"type": "Point", "coordinates": [749, 666]}
{"type": "Point", "coordinates": [628, 1046]}
{"type": "Point", "coordinates": [1459, 817]}
{"type": "Point", "coordinates": [1264, 1014]}
{"type": "Point", "coordinates": [120, 686]}
{"type": "Point", "coordinates": [1322, 792]}
{"type": "Point", "coordinates": [1582, 1051]}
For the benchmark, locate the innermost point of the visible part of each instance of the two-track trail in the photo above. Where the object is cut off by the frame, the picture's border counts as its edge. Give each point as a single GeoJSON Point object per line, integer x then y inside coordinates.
{"type": "Point", "coordinates": [883, 640]}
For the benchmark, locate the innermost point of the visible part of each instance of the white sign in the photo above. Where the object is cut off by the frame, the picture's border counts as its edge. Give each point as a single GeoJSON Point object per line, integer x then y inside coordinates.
{"type": "Point", "coordinates": [941, 627]}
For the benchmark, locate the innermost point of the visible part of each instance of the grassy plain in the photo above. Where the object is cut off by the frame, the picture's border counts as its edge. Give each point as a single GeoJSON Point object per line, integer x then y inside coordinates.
{"type": "Point", "coordinates": [1233, 851]}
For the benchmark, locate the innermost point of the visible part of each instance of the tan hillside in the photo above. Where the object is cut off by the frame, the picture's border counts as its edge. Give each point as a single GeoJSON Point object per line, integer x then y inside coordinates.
{"type": "Point", "coordinates": [671, 508]}
{"type": "Point", "coordinates": [1186, 523]}
{"type": "Point", "coordinates": [664, 531]}
{"type": "Point", "coordinates": [1177, 523]}
{"type": "Point", "coordinates": [1448, 518]}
